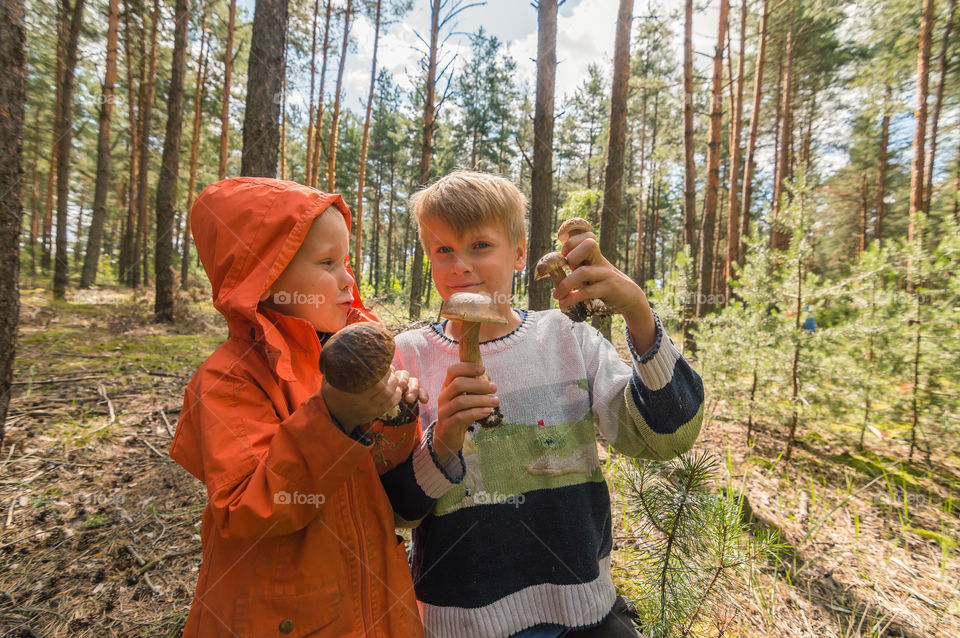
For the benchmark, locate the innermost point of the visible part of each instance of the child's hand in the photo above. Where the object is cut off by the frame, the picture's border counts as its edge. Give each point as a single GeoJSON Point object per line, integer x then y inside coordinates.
{"type": "Point", "coordinates": [464, 397]}
{"type": "Point", "coordinates": [411, 387]}
{"type": "Point", "coordinates": [355, 408]}
{"type": "Point", "coordinates": [594, 277]}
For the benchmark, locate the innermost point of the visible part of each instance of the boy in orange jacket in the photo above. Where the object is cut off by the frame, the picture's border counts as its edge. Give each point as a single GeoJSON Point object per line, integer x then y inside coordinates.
{"type": "Point", "coordinates": [298, 534]}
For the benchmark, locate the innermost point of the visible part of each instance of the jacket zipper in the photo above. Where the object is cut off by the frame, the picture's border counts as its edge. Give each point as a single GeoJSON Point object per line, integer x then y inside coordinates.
{"type": "Point", "coordinates": [362, 551]}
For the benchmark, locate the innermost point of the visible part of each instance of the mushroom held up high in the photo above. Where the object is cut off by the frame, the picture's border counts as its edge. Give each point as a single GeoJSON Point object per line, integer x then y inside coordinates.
{"type": "Point", "coordinates": [552, 265]}
{"type": "Point", "coordinates": [472, 309]}
{"type": "Point", "coordinates": [596, 307]}
{"type": "Point", "coordinates": [356, 358]}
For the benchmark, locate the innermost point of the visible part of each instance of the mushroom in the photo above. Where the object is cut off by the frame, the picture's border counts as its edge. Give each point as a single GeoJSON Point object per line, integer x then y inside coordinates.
{"type": "Point", "coordinates": [356, 358]}
{"type": "Point", "coordinates": [569, 228]}
{"type": "Point", "coordinates": [551, 265]}
{"type": "Point", "coordinates": [472, 309]}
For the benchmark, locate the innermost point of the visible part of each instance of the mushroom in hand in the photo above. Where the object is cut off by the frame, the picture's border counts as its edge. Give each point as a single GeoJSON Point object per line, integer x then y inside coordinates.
{"type": "Point", "coordinates": [569, 228]}
{"type": "Point", "coordinates": [552, 265]}
{"type": "Point", "coordinates": [472, 309]}
{"type": "Point", "coordinates": [356, 358]}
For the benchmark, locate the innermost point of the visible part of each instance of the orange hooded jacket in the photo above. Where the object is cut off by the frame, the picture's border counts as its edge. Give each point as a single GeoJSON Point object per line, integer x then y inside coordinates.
{"type": "Point", "coordinates": [298, 535]}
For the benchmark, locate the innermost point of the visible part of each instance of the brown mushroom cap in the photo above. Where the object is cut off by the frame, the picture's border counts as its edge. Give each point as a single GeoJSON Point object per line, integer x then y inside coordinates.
{"type": "Point", "coordinates": [357, 357]}
{"type": "Point", "coordinates": [471, 306]}
{"type": "Point", "coordinates": [573, 226]}
{"type": "Point", "coordinates": [549, 263]}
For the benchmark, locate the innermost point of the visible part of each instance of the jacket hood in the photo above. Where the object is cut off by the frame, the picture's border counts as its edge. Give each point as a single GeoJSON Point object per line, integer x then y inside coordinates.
{"type": "Point", "coordinates": [246, 230]}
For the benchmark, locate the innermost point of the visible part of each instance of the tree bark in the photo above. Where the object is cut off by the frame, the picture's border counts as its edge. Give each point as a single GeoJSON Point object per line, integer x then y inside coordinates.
{"type": "Point", "coordinates": [778, 237]}
{"type": "Point", "coordinates": [35, 196]}
{"type": "Point", "coordinates": [920, 117]}
{"type": "Point", "coordinates": [124, 272]}
{"type": "Point", "coordinates": [335, 117]}
{"type": "Point", "coordinates": [943, 63]}
{"type": "Point", "coordinates": [638, 273]}
{"type": "Point", "coordinates": [318, 126]}
{"type": "Point", "coordinates": [362, 171]}
{"type": "Point", "coordinates": [864, 208]}
{"type": "Point", "coordinates": [199, 92]}
{"type": "Point", "coordinates": [261, 130]}
{"type": "Point", "coordinates": [736, 126]}
{"type": "Point", "coordinates": [65, 138]}
{"type": "Point", "coordinates": [750, 161]}
{"type": "Point", "coordinates": [47, 234]}
{"type": "Point", "coordinates": [89, 274]}
{"type": "Point", "coordinates": [308, 166]}
{"type": "Point", "coordinates": [616, 140]}
{"type": "Point", "coordinates": [225, 99]}
{"type": "Point", "coordinates": [426, 151]}
{"type": "Point", "coordinates": [882, 171]}
{"type": "Point", "coordinates": [13, 60]}
{"type": "Point", "coordinates": [139, 256]}
{"type": "Point", "coordinates": [170, 167]}
{"type": "Point", "coordinates": [705, 290]}
{"type": "Point", "coordinates": [541, 181]}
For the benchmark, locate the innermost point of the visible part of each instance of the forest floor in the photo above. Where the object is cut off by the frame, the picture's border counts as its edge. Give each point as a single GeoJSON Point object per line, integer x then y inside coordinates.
{"type": "Point", "coordinates": [100, 528]}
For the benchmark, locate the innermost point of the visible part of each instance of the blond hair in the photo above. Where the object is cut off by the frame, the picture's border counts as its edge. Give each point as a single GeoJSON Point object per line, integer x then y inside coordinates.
{"type": "Point", "coordinates": [466, 200]}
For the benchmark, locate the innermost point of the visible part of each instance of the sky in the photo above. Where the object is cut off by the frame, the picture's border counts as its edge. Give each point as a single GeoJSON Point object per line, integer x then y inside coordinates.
{"type": "Point", "coordinates": [585, 34]}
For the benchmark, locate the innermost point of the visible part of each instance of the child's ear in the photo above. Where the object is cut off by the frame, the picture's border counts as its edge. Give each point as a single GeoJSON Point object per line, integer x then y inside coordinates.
{"type": "Point", "coordinates": [521, 260]}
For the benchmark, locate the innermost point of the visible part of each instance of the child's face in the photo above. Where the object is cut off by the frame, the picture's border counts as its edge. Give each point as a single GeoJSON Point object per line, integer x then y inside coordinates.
{"type": "Point", "coordinates": [315, 284]}
{"type": "Point", "coordinates": [481, 260]}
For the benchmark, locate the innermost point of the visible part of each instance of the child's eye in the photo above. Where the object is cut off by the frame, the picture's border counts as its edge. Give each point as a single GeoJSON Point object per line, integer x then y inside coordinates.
{"type": "Point", "coordinates": [326, 262]}
{"type": "Point", "coordinates": [480, 245]}
{"type": "Point", "coordinates": [444, 249]}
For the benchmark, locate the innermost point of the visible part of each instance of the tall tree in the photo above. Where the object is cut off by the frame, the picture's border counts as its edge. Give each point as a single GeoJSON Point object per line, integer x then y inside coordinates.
{"type": "Point", "coordinates": [308, 167]}
{"type": "Point", "coordinates": [261, 130]}
{"type": "Point", "coordinates": [689, 168]}
{"type": "Point", "coordinates": [750, 162]}
{"type": "Point", "coordinates": [139, 257]}
{"type": "Point", "coordinates": [541, 179]}
{"type": "Point", "coordinates": [65, 138]}
{"type": "Point", "coordinates": [170, 167]}
{"type": "Point", "coordinates": [617, 138]}
{"type": "Point", "coordinates": [92, 258]}
{"type": "Point", "coordinates": [778, 237]}
{"type": "Point", "coordinates": [943, 63]}
{"type": "Point", "coordinates": [13, 60]}
{"type": "Point", "coordinates": [199, 91]}
{"type": "Point", "coordinates": [125, 270]}
{"type": "Point", "coordinates": [62, 18]}
{"type": "Point", "coordinates": [882, 167]}
{"type": "Point", "coordinates": [314, 177]}
{"type": "Point", "coordinates": [335, 116]}
{"type": "Point", "coordinates": [733, 190]}
{"type": "Point", "coordinates": [361, 173]}
{"type": "Point", "coordinates": [920, 118]}
{"type": "Point", "coordinates": [705, 297]}
{"type": "Point", "coordinates": [225, 99]}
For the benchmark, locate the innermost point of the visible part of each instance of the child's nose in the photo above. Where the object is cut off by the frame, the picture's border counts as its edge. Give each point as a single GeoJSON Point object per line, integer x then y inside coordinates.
{"type": "Point", "coordinates": [459, 265]}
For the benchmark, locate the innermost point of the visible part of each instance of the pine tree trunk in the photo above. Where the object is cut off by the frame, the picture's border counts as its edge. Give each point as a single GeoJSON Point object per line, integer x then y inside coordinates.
{"type": "Point", "coordinates": [46, 242]}
{"type": "Point", "coordinates": [705, 291]}
{"type": "Point", "coordinates": [426, 151]}
{"type": "Point", "coordinates": [261, 131]}
{"type": "Point", "coordinates": [616, 142]}
{"type": "Point", "coordinates": [76, 241]}
{"type": "Point", "coordinates": [139, 256]}
{"type": "Point", "coordinates": [750, 160]}
{"type": "Point", "coordinates": [942, 69]}
{"type": "Point", "coordinates": [335, 116]}
{"type": "Point", "coordinates": [882, 171]}
{"type": "Point", "coordinates": [864, 208]}
{"type": "Point", "coordinates": [89, 275]}
{"type": "Point", "coordinates": [777, 235]}
{"type": "Point", "coordinates": [733, 189]}
{"type": "Point", "coordinates": [318, 126]}
{"type": "Point", "coordinates": [199, 92]}
{"type": "Point", "coordinates": [689, 175]}
{"type": "Point", "coordinates": [35, 196]}
{"type": "Point", "coordinates": [13, 61]}
{"type": "Point", "coordinates": [65, 130]}
{"type": "Point", "coordinates": [375, 270]}
{"type": "Point", "coordinates": [920, 117]}
{"type": "Point", "coordinates": [124, 272]}
{"type": "Point", "coordinates": [639, 253]}
{"type": "Point", "coordinates": [795, 367]}
{"type": "Point", "coordinates": [364, 144]}
{"type": "Point", "coordinates": [541, 180]}
{"type": "Point", "coordinates": [225, 98]}
{"type": "Point", "coordinates": [170, 167]}
{"type": "Point", "coordinates": [308, 166]}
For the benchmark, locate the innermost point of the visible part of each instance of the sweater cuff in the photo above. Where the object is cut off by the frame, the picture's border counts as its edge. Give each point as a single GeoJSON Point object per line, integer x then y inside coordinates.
{"type": "Point", "coordinates": [655, 368]}
{"type": "Point", "coordinates": [432, 477]}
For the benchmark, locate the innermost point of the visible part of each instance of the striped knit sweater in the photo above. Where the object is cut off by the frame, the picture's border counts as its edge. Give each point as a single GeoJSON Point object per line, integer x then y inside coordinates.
{"type": "Point", "coordinates": [517, 530]}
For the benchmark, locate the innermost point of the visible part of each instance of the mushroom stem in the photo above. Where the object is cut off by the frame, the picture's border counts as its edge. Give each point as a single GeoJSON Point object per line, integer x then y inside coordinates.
{"type": "Point", "coordinates": [470, 342]}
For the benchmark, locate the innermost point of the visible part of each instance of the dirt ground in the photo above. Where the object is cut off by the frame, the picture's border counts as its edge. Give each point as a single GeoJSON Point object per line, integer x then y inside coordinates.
{"type": "Point", "coordinates": [100, 528]}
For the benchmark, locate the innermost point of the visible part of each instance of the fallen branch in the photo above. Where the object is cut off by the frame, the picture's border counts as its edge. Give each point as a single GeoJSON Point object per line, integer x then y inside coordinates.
{"type": "Point", "coordinates": [103, 392]}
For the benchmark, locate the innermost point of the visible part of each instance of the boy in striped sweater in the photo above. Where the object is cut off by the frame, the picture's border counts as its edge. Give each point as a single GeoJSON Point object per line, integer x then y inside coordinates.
{"type": "Point", "coordinates": [512, 525]}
